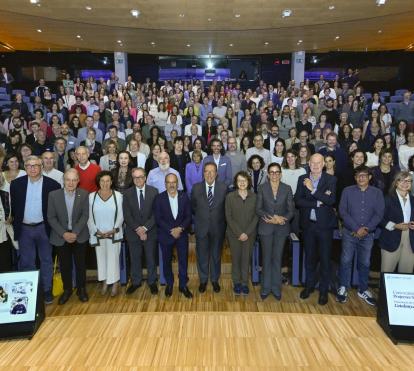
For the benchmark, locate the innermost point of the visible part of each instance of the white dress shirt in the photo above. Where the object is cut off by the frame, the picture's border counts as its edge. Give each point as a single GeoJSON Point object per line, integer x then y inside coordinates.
{"type": "Point", "coordinates": [212, 189]}
{"type": "Point", "coordinates": [139, 193]}
{"type": "Point", "coordinates": [174, 205]}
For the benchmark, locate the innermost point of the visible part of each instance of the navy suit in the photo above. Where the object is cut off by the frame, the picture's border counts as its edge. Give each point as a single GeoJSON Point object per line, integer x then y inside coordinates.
{"type": "Point", "coordinates": [165, 222]}
{"type": "Point", "coordinates": [317, 235]}
{"type": "Point", "coordinates": [33, 238]}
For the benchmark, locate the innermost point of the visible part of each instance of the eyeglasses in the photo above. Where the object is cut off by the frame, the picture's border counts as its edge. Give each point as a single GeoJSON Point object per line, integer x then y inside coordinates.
{"type": "Point", "coordinates": [274, 172]}
{"type": "Point", "coordinates": [406, 181]}
{"type": "Point", "coordinates": [139, 177]}
{"type": "Point", "coordinates": [30, 166]}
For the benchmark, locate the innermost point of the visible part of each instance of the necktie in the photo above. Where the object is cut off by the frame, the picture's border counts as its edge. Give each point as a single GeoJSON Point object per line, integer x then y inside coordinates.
{"type": "Point", "coordinates": [210, 196]}
{"type": "Point", "coordinates": [141, 200]}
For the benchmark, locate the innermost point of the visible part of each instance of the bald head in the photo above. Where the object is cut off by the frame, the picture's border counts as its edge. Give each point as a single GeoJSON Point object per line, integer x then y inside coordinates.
{"type": "Point", "coordinates": [316, 164]}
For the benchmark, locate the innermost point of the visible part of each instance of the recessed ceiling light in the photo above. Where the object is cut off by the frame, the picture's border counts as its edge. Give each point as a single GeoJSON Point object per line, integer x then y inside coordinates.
{"type": "Point", "coordinates": [78, 36]}
{"type": "Point", "coordinates": [266, 43]}
{"type": "Point", "coordinates": [337, 37]}
{"type": "Point", "coordinates": [188, 45]}
{"type": "Point", "coordinates": [379, 31]}
{"type": "Point", "coordinates": [119, 41]}
{"type": "Point", "coordinates": [331, 7]}
{"type": "Point", "coordinates": [181, 15]}
{"type": "Point", "coordinates": [135, 13]}
{"type": "Point", "coordinates": [230, 45]}
{"type": "Point", "coordinates": [209, 19]}
{"type": "Point", "coordinates": [87, 7]}
{"type": "Point", "coordinates": [286, 13]}
{"type": "Point", "coordinates": [39, 30]}
{"type": "Point", "coordinates": [300, 41]}
{"type": "Point", "coordinates": [380, 2]}
{"type": "Point", "coordinates": [152, 43]}
{"type": "Point", "coordinates": [237, 15]}
{"type": "Point", "coordinates": [34, 1]}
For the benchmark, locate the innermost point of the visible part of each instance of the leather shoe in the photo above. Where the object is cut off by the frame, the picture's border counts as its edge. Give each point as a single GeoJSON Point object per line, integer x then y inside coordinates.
{"type": "Point", "coordinates": [264, 296]}
{"type": "Point", "coordinates": [216, 286]}
{"type": "Point", "coordinates": [168, 291]}
{"type": "Point", "coordinates": [203, 286]}
{"type": "Point", "coordinates": [278, 297]}
{"type": "Point", "coordinates": [323, 299]}
{"type": "Point", "coordinates": [305, 293]}
{"type": "Point", "coordinates": [131, 289]}
{"type": "Point", "coordinates": [153, 288]}
{"type": "Point", "coordinates": [82, 295]}
{"type": "Point", "coordinates": [65, 297]}
{"type": "Point", "coordinates": [186, 292]}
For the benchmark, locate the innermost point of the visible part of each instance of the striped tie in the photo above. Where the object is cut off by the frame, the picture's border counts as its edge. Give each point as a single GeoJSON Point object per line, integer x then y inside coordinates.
{"type": "Point", "coordinates": [210, 196]}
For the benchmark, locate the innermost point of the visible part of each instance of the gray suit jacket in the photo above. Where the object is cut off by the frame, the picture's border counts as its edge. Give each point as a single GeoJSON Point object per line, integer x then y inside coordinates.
{"type": "Point", "coordinates": [267, 205]}
{"type": "Point", "coordinates": [209, 219]}
{"type": "Point", "coordinates": [57, 216]}
{"type": "Point", "coordinates": [134, 217]}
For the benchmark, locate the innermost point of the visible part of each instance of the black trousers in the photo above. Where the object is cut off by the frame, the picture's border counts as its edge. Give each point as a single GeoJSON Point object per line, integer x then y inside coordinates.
{"type": "Point", "coordinates": [6, 256]}
{"type": "Point", "coordinates": [68, 253]}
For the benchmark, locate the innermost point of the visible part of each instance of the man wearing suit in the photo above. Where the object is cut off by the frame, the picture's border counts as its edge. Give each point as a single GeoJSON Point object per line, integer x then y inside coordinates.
{"type": "Point", "coordinates": [208, 200]}
{"type": "Point", "coordinates": [83, 132]}
{"type": "Point", "coordinates": [222, 162]}
{"type": "Point", "coordinates": [67, 214]}
{"type": "Point", "coordinates": [141, 230]}
{"type": "Point", "coordinates": [173, 216]}
{"type": "Point", "coordinates": [315, 196]}
{"type": "Point", "coordinates": [29, 199]}
{"type": "Point", "coordinates": [6, 80]}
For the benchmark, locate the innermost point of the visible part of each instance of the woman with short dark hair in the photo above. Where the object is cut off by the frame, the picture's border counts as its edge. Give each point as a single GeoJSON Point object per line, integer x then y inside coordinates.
{"type": "Point", "coordinates": [105, 228]}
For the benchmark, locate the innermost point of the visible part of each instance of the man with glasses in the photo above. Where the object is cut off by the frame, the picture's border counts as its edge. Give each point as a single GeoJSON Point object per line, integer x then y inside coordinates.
{"type": "Point", "coordinates": [29, 202]}
{"type": "Point", "coordinates": [141, 230]}
{"type": "Point", "coordinates": [259, 149]}
{"type": "Point", "coordinates": [303, 141]}
{"type": "Point", "coordinates": [361, 209]}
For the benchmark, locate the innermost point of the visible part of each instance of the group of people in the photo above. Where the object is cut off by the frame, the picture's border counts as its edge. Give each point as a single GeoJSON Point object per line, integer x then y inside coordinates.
{"type": "Point", "coordinates": [108, 163]}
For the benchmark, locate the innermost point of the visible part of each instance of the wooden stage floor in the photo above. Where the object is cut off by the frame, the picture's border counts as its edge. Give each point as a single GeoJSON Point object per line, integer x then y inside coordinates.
{"type": "Point", "coordinates": [208, 340]}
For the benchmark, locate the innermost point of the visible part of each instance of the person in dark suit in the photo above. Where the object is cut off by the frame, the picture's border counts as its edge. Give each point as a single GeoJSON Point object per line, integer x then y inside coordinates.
{"type": "Point", "coordinates": [222, 161]}
{"type": "Point", "coordinates": [173, 217]}
{"type": "Point", "coordinates": [29, 201]}
{"type": "Point", "coordinates": [208, 204]}
{"type": "Point", "coordinates": [275, 208]}
{"type": "Point", "coordinates": [315, 196]}
{"type": "Point", "coordinates": [67, 215]}
{"type": "Point", "coordinates": [141, 230]}
{"type": "Point", "coordinates": [6, 80]}
{"type": "Point", "coordinates": [397, 227]}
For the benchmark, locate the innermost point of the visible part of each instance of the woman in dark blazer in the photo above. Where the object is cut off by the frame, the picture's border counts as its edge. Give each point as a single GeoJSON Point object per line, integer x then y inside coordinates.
{"type": "Point", "coordinates": [241, 230]}
{"type": "Point", "coordinates": [275, 209]}
{"type": "Point", "coordinates": [397, 233]}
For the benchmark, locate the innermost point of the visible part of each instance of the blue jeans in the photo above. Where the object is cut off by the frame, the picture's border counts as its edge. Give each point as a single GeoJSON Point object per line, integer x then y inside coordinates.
{"type": "Point", "coordinates": [362, 247]}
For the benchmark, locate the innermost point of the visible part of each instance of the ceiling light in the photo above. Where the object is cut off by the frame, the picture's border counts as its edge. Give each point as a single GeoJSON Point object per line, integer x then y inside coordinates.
{"type": "Point", "coordinates": [237, 15]}
{"type": "Point", "coordinates": [188, 45]}
{"type": "Point", "coordinates": [379, 31]}
{"type": "Point", "coordinates": [230, 45]}
{"type": "Point", "coordinates": [300, 41]}
{"type": "Point", "coordinates": [78, 36]}
{"type": "Point", "coordinates": [152, 43]}
{"type": "Point", "coordinates": [331, 7]}
{"type": "Point", "coordinates": [39, 30]}
{"type": "Point", "coordinates": [210, 64]}
{"type": "Point", "coordinates": [337, 37]}
{"type": "Point", "coordinates": [119, 41]}
{"type": "Point", "coordinates": [380, 2]}
{"type": "Point", "coordinates": [209, 19]}
{"type": "Point", "coordinates": [135, 13]}
{"type": "Point", "coordinates": [286, 13]}
{"type": "Point", "coordinates": [266, 43]}
{"type": "Point", "coordinates": [88, 7]}
{"type": "Point", "coordinates": [181, 15]}
{"type": "Point", "coordinates": [34, 1]}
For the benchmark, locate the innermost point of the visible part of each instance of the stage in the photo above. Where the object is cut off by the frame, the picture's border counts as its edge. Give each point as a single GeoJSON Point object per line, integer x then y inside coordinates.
{"type": "Point", "coordinates": [208, 340]}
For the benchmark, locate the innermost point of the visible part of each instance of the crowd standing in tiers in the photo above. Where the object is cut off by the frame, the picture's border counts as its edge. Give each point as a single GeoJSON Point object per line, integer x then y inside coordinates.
{"type": "Point", "coordinates": [101, 164]}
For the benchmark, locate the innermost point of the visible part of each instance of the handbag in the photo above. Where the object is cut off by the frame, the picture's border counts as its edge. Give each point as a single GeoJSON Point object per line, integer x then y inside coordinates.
{"type": "Point", "coordinates": [57, 280]}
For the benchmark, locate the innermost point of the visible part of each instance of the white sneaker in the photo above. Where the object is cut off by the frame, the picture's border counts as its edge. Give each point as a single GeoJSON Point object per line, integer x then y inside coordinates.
{"type": "Point", "coordinates": [367, 297]}
{"type": "Point", "coordinates": [342, 295]}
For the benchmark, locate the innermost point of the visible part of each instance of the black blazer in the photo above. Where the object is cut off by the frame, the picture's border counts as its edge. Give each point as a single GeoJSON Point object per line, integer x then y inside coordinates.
{"type": "Point", "coordinates": [134, 217]}
{"type": "Point", "coordinates": [306, 201]}
{"type": "Point", "coordinates": [390, 240]}
{"type": "Point", "coordinates": [18, 189]}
